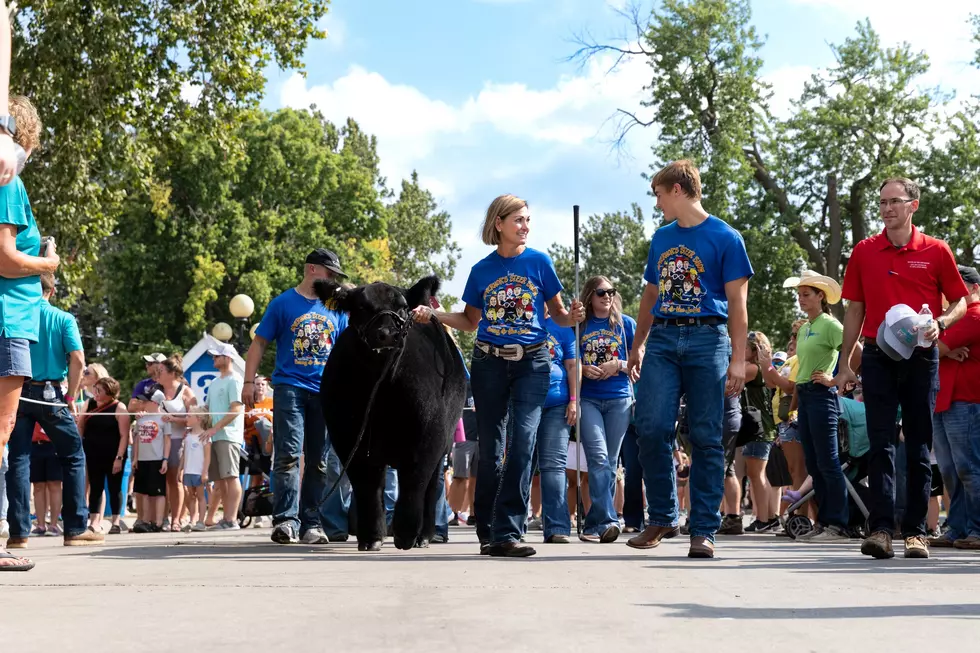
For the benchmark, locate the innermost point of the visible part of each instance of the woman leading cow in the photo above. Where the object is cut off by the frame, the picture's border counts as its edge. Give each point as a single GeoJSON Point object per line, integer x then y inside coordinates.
{"type": "Point", "coordinates": [505, 298]}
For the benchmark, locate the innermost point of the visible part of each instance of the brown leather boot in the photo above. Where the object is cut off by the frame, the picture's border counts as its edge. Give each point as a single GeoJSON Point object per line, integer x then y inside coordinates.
{"type": "Point", "coordinates": [701, 547]}
{"type": "Point", "coordinates": [651, 536]}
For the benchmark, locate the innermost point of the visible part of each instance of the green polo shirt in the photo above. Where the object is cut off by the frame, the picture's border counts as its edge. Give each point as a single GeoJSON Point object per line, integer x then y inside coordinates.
{"type": "Point", "coordinates": [20, 298]}
{"type": "Point", "coordinates": [57, 337]}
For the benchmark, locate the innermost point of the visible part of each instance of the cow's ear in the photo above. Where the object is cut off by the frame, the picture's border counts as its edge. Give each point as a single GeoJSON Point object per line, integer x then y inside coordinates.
{"type": "Point", "coordinates": [332, 294]}
{"type": "Point", "coordinates": [422, 292]}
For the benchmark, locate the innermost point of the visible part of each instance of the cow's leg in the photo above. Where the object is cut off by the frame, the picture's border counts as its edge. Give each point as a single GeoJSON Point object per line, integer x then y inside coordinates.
{"type": "Point", "coordinates": [368, 483]}
{"type": "Point", "coordinates": [429, 508]}
{"type": "Point", "coordinates": [406, 524]}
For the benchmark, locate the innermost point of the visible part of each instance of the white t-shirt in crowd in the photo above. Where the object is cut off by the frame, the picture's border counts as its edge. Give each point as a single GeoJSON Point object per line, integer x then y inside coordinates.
{"type": "Point", "coordinates": [193, 455]}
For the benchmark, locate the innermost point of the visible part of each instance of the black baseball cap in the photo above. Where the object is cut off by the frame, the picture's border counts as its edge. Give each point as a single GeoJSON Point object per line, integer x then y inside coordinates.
{"type": "Point", "coordinates": [970, 275]}
{"type": "Point", "coordinates": [327, 259]}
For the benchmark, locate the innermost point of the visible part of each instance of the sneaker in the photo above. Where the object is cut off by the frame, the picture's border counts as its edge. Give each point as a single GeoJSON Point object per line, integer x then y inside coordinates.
{"type": "Point", "coordinates": [228, 525]}
{"type": "Point", "coordinates": [916, 547]}
{"type": "Point", "coordinates": [757, 526]}
{"type": "Point", "coordinates": [534, 524]}
{"type": "Point", "coordinates": [968, 543]}
{"type": "Point", "coordinates": [338, 537]}
{"type": "Point", "coordinates": [88, 538]}
{"type": "Point", "coordinates": [284, 533]}
{"type": "Point", "coordinates": [471, 520]}
{"type": "Point", "coordinates": [731, 525]}
{"type": "Point", "coordinates": [439, 538]}
{"type": "Point", "coordinates": [37, 531]}
{"type": "Point", "coordinates": [878, 545]}
{"type": "Point", "coordinates": [942, 542]}
{"type": "Point", "coordinates": [812, 533]}
{"type": "Point", "coordinates": [830, 534]}
{"type": "Point", "coordinates": [455, 520]}
{"type": "Point", "coordinates": [199, 527]}
{"type": "Point", "coordinates": [142, 527]}
{"type": "Point", "coordinates": [314, 536]}
{"type": "Point", "coordinates": [54, 531]}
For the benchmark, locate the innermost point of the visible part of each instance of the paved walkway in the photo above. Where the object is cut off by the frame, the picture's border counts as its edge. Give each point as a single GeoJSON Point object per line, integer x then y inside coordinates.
{"type": "Point", "coordinates": [239, 592]}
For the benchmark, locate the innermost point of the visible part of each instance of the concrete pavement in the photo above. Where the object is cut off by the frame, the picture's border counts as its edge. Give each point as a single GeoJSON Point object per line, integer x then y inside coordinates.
{"type": "Point", "coordinates": [237, 591]}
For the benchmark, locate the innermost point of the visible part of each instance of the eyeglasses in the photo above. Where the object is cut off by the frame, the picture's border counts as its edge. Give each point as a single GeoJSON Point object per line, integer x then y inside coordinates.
{"type": "Point", "coordinates": [894, 202]}
{"type": "Point", "coordinates": [602, 292]}
{"type": "Point", "coordinates": [753, 335]}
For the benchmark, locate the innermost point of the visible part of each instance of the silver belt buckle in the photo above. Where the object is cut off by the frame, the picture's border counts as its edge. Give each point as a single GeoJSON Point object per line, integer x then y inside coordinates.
{"type": "Point", "coordinates": [512, 352]}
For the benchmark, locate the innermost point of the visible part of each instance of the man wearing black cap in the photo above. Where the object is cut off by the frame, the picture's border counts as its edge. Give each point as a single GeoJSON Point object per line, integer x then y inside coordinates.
{"type": "Point", "coordinates": [304, 331]}
{"type": "Point", "coordinates": [956, 425]}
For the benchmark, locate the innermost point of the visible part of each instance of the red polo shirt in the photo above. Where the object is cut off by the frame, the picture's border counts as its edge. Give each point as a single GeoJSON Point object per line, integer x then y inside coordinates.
{"type": "Point", "coordinates": [961, 381]}
{"type": "Point", "coordinates": [882, 275]}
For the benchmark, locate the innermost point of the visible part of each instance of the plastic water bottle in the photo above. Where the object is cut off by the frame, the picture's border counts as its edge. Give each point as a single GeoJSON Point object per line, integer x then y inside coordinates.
{"type": "Point", "coordinates": [924, 321]}
{"type": "Point", "coordinates": [49, 393]}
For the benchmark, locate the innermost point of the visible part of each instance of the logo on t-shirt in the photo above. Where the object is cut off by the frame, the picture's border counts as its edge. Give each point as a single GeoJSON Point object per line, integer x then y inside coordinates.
{"type": "Point", "coordinates": [601, 346]}
{"type": "Point", "coordinates": [509, 305]}
{"type": "Point", "coordinates": [313, 338]}
{"type": "Point", "coordinates": [554, 349]}
{"type": "Point", "coordinates": [148, 431]}
{"type": "Point", "coordinates": [681, 291]}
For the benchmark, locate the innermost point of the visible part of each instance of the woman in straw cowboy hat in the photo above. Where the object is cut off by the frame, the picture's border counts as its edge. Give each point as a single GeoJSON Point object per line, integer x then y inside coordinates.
{"type": "Point", "coordinates": [817, 348]}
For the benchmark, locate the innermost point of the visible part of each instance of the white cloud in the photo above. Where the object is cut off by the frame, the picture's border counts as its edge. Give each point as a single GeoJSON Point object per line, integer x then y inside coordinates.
{"type": "Point", "coordinates": [336, 30]}
{"type": "Point", "coordinates": [787, 85]}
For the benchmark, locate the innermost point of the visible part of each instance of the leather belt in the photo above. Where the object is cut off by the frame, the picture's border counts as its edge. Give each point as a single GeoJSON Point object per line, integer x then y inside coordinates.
{"type": "Point", "coordinates": [709, 320]}
{"type": "Point", "coordinates": [52, 382]}
{"type": "Point", "coordinates": [512, 352]}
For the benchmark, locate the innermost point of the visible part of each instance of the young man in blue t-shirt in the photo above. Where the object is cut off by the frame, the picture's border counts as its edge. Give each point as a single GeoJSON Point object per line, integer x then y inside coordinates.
{"type": "Point", "coordinates": [304, 331]}
{"type": "Point", "coordinates": [697, 281]}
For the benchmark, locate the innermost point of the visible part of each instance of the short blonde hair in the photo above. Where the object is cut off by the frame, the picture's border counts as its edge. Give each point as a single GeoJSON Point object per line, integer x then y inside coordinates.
{"type": "Point", "coordinates": [499, 208]}
{"type": "Point", "coordinates": [202, 413]}
{"type": "Point", "coordinates": [684, 173]}
{"type": "Point", "coordinates": [28, 122]}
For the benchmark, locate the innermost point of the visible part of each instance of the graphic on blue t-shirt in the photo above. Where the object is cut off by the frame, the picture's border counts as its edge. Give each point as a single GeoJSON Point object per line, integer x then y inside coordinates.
{"type": "Point", "coordinates": [690, 266]}
{"type": "Point", "coordinates": [510, 305]}
{"type": "Point", "coordinates": [602, 346]}
{"type": "Point", "coordinates": [313, 338]}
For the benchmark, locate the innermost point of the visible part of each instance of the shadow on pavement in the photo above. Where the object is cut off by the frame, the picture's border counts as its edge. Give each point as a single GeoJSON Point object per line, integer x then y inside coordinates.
{"type": "Point", "coordinates": [694, 610]}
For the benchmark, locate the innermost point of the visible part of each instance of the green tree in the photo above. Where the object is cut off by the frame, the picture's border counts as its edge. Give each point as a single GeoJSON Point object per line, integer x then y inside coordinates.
{"type": "Point", "coordinates": [613, 245]}
{"type": "Point", "coordinates": [111, 81]}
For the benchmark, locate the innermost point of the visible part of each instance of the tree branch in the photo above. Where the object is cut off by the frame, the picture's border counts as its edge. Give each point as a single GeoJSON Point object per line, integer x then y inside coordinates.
{"type": "Point", "coordinates": [836, 228]}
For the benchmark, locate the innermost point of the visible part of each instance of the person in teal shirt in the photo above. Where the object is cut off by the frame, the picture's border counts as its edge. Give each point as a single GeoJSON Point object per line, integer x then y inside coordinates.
{"type": "Point", "coordinates": [57, 354]}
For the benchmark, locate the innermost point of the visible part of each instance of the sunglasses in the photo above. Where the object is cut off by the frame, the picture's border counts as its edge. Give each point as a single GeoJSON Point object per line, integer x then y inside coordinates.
{"type": "Point", "coordinates": [602, 292]}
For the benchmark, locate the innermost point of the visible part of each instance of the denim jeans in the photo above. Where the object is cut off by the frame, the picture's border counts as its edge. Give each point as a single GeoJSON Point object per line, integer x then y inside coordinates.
{"type": "Point", "coordinates": [633, 484]}
{"type": "Point", "coordinates": [60, 427]}
{"type": "Point", "coordinates": [691, 360]}
{"type": "Point", "coordinates": [335, 510]}
{"type": "Point", "coordinates": [505, 392]}
{"type": "Point", "coordinates": [552, 451]}
{"type": "Point", "coordinates": [819, 412]}
{"type": "Point", "coordinates": [298, 427]}
{"type": "Point", "coordinates": [391, 494]}
{"type": "Point", "coordinates": [957, 448]}
{"type": "Point", "coordinates": [913, 384]}
{"type": "Point", "coordinates": [443, 512]}
{"type": "Point", "coordinates": [604, 423]}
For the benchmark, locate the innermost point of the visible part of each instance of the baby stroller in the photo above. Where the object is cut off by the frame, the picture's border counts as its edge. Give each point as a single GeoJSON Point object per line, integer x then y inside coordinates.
{"type": "Point", "coordinates": [855, 475]}
{"type": "Point", "coordinates": [256, 501]}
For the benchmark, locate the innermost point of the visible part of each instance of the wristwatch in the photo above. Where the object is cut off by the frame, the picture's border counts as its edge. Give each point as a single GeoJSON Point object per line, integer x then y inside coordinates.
{"type": "Point", "coordinates": [118, 457]}
{"type": "Point", "coordinates": [941, 323]}
{"type": "Point", "coordinates": [8, 125]}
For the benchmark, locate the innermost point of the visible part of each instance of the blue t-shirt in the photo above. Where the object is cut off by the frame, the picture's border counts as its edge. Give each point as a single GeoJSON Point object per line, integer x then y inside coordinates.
{"type": "Point", "coordinates": [600, 344]}
{"type": "Point", "coordinates": [20, 299]}
{"type": "Point", "coordinates": [305, 332]}
{"type": "Point", "coordinates": [510, 294]}
{"type": "Point", "coordinates": [691, 265]}
{"type": "Point", "coordinates": [561, 344]}
{"type": "Point", "coordinates": [57, 337]}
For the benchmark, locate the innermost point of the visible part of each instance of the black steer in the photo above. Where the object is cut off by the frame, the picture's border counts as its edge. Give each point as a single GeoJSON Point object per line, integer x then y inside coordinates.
{"type": "Point", "coordinates": [418, 404]}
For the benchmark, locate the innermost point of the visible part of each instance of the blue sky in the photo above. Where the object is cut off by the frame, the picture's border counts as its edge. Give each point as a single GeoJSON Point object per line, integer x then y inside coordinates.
{"type": "Point", "coordinates": [477, 95]}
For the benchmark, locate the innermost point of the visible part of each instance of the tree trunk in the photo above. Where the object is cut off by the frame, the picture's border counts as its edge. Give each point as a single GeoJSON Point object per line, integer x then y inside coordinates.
{"type": "Point", "coordinates": [836, 238]}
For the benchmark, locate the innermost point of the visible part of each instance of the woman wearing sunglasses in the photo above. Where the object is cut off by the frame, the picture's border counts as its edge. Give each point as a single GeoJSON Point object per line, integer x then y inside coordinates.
{"type": "Point", "coordinates": [606, 401]}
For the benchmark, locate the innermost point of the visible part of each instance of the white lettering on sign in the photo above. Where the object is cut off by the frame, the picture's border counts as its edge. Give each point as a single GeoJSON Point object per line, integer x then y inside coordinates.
{"type": "Point", "coordinates": [919, 265]}
{"type": "Point", "coordinates": [200, 382]}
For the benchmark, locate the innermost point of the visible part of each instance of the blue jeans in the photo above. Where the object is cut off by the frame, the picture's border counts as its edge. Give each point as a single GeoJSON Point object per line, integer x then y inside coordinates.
{"type": "Point", "coordinates": [391, 494]}
{"type": "Point", "coordinates": [957, 448]}
{"type": "Point", "coordinates": [506, 392]}
{"type": "Point", "coordinates": [819, 412]}
{"type": "Point", "coordinates": [553, 434]}
{"type": "Point", "coordinates": [335, 510]}
{"type": "Point", "coordinates": [691, 360]}
{"type": "Point", "coordinates": [913, 384]}
{"type": "Point", "coordinates": [633, 484]}
{"type": "Point", "coordinates": [298, 427]}
{"type": "Point", "coordinates": [604, 423]}
{"type": "Point", "coordinates": [60, 427]}
{"type": "Point", "coordinates": [443, 512]}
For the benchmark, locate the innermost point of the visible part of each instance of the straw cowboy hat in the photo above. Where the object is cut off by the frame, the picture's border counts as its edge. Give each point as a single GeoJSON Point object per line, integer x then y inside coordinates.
{"type": "Point", "coordinates": [829, 287]}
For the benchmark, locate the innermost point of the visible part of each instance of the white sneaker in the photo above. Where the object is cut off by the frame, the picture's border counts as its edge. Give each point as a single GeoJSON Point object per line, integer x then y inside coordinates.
{"type": "Point", "coordinates": [199, 527]}
{"type": "Point", "coordinates": [314, 536]}
{"type": "Point", "coordinates": [830, 534]}
{"type": "Point", "coordinates": [229, 526]}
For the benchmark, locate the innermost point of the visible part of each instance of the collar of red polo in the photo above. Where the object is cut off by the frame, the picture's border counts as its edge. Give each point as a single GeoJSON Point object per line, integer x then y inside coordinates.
{"type": "Point", "coordinates": [915, 243]}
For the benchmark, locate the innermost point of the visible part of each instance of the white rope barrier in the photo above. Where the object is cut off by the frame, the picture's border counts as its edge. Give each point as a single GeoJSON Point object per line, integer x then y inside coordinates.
{"type": "Point", "coordinates": [55, 404]}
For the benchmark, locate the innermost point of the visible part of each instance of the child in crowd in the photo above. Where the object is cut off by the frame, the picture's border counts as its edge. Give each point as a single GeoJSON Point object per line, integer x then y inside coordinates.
{"type": "Point", "coordinates": [151, 449]}
{"type": "Point", "coordinates": [195, 457]}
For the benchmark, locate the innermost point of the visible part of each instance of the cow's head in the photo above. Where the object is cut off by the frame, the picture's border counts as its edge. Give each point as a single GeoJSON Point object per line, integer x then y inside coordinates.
{"type": "Point", "coordinates": [380, 313]}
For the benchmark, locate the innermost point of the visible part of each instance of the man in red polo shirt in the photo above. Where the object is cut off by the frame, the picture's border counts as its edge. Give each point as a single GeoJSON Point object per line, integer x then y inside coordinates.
{"type": "Point", "coordinates": [899, 266]}
{"type": "Point", "coordinates": [957, 421]}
